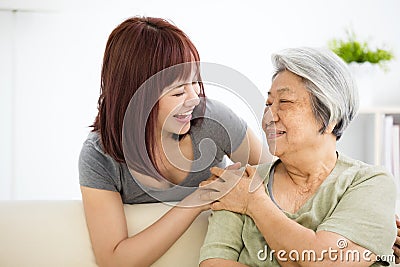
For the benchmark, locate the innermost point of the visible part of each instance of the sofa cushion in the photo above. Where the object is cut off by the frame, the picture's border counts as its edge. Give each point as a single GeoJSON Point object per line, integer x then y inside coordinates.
{"type": "Point", "coordinates": [54, 233]}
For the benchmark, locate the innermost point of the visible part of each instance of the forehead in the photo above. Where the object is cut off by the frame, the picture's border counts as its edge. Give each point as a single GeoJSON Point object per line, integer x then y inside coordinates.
{"type": "Point", "coordinates": [287, 83]}
{"type": "Point", "coordinates": [181, 74]}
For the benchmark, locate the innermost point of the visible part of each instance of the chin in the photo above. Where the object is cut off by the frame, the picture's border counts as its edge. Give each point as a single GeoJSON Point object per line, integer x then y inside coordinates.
{"type": "Point", "coordinates": [273, 153]}
{"type": "Point", "coordinates": [273, 150]}
{"type": "Point", "coordinates": [271, 147]}
{"type": "Point", "coordinates": [184, 130]}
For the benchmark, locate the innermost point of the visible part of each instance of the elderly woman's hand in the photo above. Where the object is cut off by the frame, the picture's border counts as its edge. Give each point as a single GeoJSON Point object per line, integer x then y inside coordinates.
{"type": "Point", "coordinates": [241, 186]}
{"type": "Point", "coordinates": [396, 246]}
{"type": "Point", "coordinates": [208, 191]}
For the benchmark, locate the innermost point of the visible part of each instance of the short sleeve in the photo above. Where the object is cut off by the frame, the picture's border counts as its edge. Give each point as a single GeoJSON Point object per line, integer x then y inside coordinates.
{"type": "Point", "coordinates": [224, 236]}
{"type": "Point", "coordinates": [225, 126]}
{"type": "Point", "coordinates": [366, 214]}
{"type": "Point", "coordinates": [96, 170]}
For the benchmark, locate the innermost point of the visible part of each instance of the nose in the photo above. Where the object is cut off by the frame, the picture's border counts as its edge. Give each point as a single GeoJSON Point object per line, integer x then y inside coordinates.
{"type": "Point", "coordinates": [270, 115]}
{"type": "Point", "coordinates": [192, 98]}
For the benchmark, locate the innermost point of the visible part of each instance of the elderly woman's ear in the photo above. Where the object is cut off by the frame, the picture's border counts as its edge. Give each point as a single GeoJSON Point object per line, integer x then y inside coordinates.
{"type": "Point", "coordinates": [330, 127]}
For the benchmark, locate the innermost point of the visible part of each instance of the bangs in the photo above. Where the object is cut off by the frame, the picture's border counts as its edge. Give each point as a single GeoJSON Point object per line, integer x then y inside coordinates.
{"type": "Point", "coordinates": [177, 61]}
{"type": "Point", "coordinates": [178, 75]}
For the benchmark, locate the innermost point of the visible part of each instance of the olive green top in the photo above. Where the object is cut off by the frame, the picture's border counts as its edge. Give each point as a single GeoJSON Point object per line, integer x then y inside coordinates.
{"type": "Point", "coordinates": [356, 201]}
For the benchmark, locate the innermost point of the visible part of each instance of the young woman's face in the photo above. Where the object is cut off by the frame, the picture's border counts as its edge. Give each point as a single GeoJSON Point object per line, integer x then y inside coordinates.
{"type": "Point", "coordinates": [175, 108]}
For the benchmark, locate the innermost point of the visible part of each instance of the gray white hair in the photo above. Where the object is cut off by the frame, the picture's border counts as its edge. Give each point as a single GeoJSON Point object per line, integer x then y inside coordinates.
{"type": "Point", "coordinates": [334, 95]}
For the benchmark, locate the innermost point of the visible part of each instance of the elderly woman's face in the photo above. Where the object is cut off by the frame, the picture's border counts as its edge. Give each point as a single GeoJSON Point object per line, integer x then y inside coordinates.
{"type": "Point", "coordinates": [289, 123]}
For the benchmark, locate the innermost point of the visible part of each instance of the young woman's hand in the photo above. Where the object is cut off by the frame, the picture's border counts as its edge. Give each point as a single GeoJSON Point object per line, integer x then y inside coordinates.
{"type": "Point", "coordinates": [206, 193]}
{"type": "Point", "coordinates": [233, 189]}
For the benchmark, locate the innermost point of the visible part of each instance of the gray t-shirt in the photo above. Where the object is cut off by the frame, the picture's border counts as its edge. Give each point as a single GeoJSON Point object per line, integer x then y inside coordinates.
{"type": "Point", "coordinates": [220, 133]}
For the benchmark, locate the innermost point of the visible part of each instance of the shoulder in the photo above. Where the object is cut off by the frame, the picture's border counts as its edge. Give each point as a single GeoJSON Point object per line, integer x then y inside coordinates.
{"type": "Point", "coordinates": [92, 146]}
{"type": "Point", "coordinates": [217, 114]}
{"type": "Point", "coordinates": [92, 155]}
{"type": "Point", "coordinates": [362, 171]}
{"type": "Point", "coordinates": [220, 124]}
{"type": "Point", "coordinates": [93, 140]}
{"type": "Point", "coordinates": [264, 170]}
{"type": "Point", "coordinates": [355, 174]}
{"type": "Point", "coordinates": [215, 108]}
{"type": "Point", "coordinates": [96, 168]}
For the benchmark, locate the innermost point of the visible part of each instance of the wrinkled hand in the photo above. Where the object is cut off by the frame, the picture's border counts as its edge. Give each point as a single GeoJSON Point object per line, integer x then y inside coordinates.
{"type": "Point", "coordinates": [244, 185]}
{"type": "Point", "coordinates": [396, 246]}
{"type": "Point", "coordinates": [208, 192]}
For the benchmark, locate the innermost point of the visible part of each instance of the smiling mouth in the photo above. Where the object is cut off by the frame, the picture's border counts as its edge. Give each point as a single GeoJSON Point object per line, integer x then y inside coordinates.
{"type": "Point", "coordinates": [274, 134]}
{"type": "Point", "coordinates": [184, 117]}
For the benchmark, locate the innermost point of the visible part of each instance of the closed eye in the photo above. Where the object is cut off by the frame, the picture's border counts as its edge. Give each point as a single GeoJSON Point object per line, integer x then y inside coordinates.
{"type": "Point", "coordinates": [178, 94]}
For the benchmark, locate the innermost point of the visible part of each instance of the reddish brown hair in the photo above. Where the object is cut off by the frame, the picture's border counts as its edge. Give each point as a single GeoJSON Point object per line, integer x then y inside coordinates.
{"type": "Point", "coordinates": [136, 50]}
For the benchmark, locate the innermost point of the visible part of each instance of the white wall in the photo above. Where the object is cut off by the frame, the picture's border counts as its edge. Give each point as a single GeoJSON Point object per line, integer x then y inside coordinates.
{"type": "Point", "coordinates": [7, 26]}
{"type": "Point", "coordinates": [51, 53]}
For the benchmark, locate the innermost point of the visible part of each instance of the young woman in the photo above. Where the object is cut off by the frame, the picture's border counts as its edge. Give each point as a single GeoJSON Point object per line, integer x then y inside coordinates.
{"type": "Point", "coordinates": [147, 140]}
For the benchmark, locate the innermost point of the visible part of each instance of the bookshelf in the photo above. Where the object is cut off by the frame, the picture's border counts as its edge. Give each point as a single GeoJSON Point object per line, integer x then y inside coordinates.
{"type": "Point", "coordinates": [363, 139]}
{"type": "Point", "coordinates": [371, 138]}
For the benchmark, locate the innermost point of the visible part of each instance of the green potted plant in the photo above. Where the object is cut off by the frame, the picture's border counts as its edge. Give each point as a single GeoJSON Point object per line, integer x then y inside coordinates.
{"type": "Point", "coordinates": [352, 50]}
{"type": "Point", "coordinates": [363, 63]}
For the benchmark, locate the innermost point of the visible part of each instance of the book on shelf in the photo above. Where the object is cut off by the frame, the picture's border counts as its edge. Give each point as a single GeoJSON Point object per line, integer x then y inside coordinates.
{"type": "Point", "coordinates": [396, 154]}
{"type": "Point", "coordinates": [391, 148]}
{"type": "Point", "coordinates": [387, 143]}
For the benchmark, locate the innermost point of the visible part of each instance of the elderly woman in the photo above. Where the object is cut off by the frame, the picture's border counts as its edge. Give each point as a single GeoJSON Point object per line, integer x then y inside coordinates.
{"type": "Point", "coordinates": [317, 206]}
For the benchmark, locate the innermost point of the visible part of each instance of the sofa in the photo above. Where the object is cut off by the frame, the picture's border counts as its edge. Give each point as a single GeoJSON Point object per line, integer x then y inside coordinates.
{"type": "Point", "coordinates": [53, 233]}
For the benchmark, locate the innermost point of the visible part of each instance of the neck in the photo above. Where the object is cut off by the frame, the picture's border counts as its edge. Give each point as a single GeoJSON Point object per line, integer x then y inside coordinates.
{"type": "Point", "coordinates": [164, 138]}
{"type": "Point", "coordinates": [306, 168]}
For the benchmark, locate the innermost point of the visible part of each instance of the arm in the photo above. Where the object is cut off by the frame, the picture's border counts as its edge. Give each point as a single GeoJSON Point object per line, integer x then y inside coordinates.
{"type": "Point", "coordinates": [251, 150]}
{"type": "Point", "coordinates": [223, 242]}
{"type": "Point", "coordinates": [108, 231]}
{"type": "Point", "coordinates": [221, 262]}
{"type": "Point", "coordinates": [301, 238]}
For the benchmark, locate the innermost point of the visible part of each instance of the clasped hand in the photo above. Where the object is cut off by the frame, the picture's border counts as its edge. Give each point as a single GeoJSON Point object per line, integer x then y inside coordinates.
{"type": "Point", "coordinates": [231, 188]}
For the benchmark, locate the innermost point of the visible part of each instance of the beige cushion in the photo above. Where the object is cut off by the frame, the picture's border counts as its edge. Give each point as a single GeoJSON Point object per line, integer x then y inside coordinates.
{"type": "Point", "coordinates": [54, 233]}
